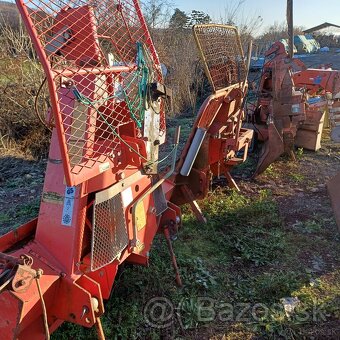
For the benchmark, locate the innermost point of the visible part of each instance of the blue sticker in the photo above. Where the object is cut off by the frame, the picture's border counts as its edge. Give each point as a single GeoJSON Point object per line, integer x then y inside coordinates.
{"type": "Point", "coordinates": [318, 80]}
{"type": "Point", "coordinates": [70, 193]}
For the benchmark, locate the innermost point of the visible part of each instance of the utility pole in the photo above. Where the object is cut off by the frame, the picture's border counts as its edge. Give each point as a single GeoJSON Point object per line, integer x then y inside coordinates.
{"type": "Point", "coordinates": [290, 28]}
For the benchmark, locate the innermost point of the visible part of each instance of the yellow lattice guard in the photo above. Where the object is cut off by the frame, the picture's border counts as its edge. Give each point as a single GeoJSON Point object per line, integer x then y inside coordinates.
{"type": "Point", "coordinates": [221, 52]}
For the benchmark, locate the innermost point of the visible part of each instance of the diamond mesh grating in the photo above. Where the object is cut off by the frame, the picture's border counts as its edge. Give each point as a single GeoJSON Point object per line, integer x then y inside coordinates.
{"type": "Point", "coordinates": [109, 234]}
{"type": "Point", "coordinates": [97, 55]}
{"type": "Point", "coordinates": [221, 53]}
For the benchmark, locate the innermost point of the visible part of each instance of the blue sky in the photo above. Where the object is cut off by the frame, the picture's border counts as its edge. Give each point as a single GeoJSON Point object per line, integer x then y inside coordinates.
{"type": "Point", "coordinates": [308, 13]}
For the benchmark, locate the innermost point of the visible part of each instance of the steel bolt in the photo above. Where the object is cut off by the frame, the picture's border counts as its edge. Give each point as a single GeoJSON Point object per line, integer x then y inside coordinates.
{"type": "Point", "coordinates": [152, 210]}
{"type": "Point", "coordinates": [85, 311]}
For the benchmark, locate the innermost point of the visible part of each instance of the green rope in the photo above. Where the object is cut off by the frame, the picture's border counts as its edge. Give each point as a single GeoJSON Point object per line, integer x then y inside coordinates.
{"type": "Point", "coordinates": [81, 97]}
{"type": "Point", "coordinates": [86, 101]}
{"type": "Point", "coordinates": [136, 106]}
{"type": "Point", "coordinates": [143, 73]}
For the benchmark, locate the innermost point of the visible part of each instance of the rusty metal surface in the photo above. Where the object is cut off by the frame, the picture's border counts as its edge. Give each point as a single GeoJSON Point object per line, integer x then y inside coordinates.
{"type": "Point", "coordinates": [23, 278]}
{"type": "Point", "coordinates": [271, 150]}
{"type": "Point", "coordinates": [285, 95]}
{"type": "Point", "coordinates": [280, 107]}
{"type": "Point", "coordinates": [17, 274]}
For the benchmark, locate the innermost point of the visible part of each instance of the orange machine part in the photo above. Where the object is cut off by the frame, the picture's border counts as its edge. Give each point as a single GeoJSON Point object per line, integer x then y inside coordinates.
{"type": "Point", "coordinates": [99, 206]}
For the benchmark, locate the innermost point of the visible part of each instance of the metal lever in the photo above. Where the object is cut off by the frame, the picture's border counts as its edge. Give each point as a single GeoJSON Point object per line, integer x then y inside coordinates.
{"type": "Point", "coordinates": [193, 151]}
{"type": "Point", "coordinates": [154, 187]}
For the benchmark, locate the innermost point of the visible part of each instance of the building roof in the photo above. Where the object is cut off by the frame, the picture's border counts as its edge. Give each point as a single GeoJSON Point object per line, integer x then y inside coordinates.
{"type": "Point", "coordinates": [319, 27]}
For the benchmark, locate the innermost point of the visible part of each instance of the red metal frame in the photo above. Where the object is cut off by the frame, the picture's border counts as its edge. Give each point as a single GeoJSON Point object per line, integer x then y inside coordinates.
{"type": "Point", "coordinates": [281, 106]}
{"type": "Point", "coordinates": [110, 209]}
{"type": "Point", "coordinates": [221, 116]}
{"type": "Point", "coordinates": [81, 59]}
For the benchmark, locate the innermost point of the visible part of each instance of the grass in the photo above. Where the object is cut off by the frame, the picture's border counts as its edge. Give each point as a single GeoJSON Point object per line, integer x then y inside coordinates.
{"type": "Point", "coordinates": [20, 214]}
{"type": "Point", "coordinates": [242, 260]}
{"type": "Point", "coordinates": [296, 177]}
{"type": "Point", "coordinates": [22, 189]}
{"type": "Point", "coordinates": [311, 226]}
{"type": "Point", "coordinates": [270, 171]}
{"type": "Point", "coordinates": [13, 71]}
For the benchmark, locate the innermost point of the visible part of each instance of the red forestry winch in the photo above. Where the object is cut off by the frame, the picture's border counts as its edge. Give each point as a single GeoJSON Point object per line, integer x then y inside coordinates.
{"type": "Point", "coordinates": [290, 110]}
{"type": "Point", "coordinates": [285, 110]}
{"type": "Point", "coordinates": [103, 198]}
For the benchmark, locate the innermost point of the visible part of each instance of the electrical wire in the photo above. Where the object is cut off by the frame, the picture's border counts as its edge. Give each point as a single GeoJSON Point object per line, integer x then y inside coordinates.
{"type": "Point", "coordinates": [36, 106]}
{"type": "Point", "coordinates": [43, 305]}
{"type": "Point", "coordinates": [86, 101]}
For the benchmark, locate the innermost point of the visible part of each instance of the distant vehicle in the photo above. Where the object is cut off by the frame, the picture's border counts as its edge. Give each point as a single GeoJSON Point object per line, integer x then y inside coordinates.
{"type": "Point", "coordinates": [256, 64]}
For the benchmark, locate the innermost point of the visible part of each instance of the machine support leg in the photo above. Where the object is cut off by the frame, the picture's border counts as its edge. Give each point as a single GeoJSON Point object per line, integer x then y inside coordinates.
{"type": "Point", "coordinates": [231, 181]}
{"type": "Point", "coordinates": [197, 212]}
{"type": "Point", "coordinates": [99, 328]}
{"type": "Point", "coordinates": [173, 257]}
{"type": "Point", "coordinates": [289, 141]}
{"type": "Point", "coordinates": [193, 204]}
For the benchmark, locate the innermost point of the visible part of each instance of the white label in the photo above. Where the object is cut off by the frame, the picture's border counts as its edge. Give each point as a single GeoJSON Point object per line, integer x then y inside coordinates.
{"type": "Point", "coordinates": [127, 197]}
{"type": "Point", "coordinates": [70, 193]}
{"type": "Point", "coordinates": [104, 167]}
{"type": "Point", "coordinates": [296, 108]}
{"type": "Point", "coordinates": [148, 147]}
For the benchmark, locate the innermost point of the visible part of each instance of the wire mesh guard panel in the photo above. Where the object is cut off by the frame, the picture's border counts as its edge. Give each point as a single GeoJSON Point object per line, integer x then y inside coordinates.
{"type": "Point", "coordinates": [109, 236]}
{"type": "Point", "coordinates": [99, 58]}
{"type": "Point", "coordinates": [222, 54]}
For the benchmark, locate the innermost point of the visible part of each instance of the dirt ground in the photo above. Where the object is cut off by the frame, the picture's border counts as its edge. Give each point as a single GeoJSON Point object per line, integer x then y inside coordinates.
{"type": "Point", "coordinates": [300, 190]}
{"type": "Point", "coordinates": [299, 186]}
{"type": "Point", "coordinates": [21, 183]}
{"type": "Point", "coordinates": [329, 59]}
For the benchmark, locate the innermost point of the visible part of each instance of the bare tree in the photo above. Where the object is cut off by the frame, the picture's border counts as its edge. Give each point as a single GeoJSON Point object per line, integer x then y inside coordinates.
{"type": "Point", "coordinates": [20, 77]}
{"type": "Point", "coordinates": [157, 12]}
{"type": "Point", "coordinates": [231, 11]}
{"type": "Point", "coordinates": [276, 32]}
{"type": "Point", "coordinates": [15, 40]}
{"type": "Point", "coordinates": [248, 24]}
